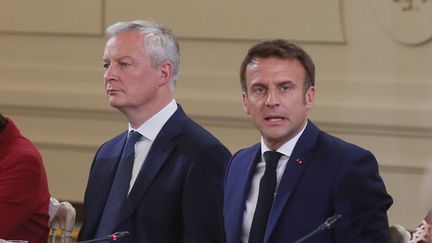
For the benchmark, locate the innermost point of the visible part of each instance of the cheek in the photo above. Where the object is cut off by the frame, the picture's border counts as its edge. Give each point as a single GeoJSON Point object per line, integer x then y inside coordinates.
{"type": "Point", "coordinates": [255, 104]}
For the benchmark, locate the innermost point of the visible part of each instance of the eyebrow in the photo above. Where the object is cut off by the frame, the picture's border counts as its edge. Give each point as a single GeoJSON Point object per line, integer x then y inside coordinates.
{"type": "Point", "coordinates": [117, 59]}
{"type": "Point", "coordinates": [259, 82]}
{"type": "Point", "coordinates": [287, 82]}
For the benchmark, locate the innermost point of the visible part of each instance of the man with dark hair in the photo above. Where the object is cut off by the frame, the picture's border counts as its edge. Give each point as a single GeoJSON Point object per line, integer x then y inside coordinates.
{"type": "Point", "coordinates": [24, 195]}
{"type": "Point", "coordinates": [162, 180]}
{"type": "Point", "coordinates": [287, 185]}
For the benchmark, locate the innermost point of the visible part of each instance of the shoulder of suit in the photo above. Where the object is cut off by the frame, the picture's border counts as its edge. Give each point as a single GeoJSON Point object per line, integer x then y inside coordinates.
{"type": "Point", "coordinates": [248, 150]}
{"type": "Point", "coordinates": [114, 142]}
{"type": "Point", "coordinates": [339, 145]}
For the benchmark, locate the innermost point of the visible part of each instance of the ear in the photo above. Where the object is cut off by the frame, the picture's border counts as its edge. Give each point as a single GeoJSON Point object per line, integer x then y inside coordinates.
{"type": "Point", "coordinates": [165, 71]}
{"type": "Point", "coordinates": [310, 97]}
{"type": "Point", "coordinates": [245, 103]}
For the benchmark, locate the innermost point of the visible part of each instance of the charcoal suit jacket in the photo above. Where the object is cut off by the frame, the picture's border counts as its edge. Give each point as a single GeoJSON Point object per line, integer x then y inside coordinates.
{"type": "Point", "coordinates": [178, 194]}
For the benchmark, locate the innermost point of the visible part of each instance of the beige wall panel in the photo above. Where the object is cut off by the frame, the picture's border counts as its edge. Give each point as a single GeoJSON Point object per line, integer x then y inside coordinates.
{"type": "Point", "coordinates": [307, 20]}
{"type": "Point", "coordinates": [67, 141]}
{"type": "Point", "coordinates": [233, 133]}
{"type": "Point", "coordinates": [403, 186]}
{"type": "Point", "coordinates": [371, 90]}
{"type": "Point", "coordinates": [52, 72]}
{"type": "Point", "coordinates": [47, 52]}
{"type": "Point", "coordinates": [67, 170]}
{"type": "Point", "coordinates": [51, 16]}
{"type": "Point", "coordinates": [412, 152]}
{"type": "Point", "coordinates": [52, 51]}
{"type": "Point", "coordinates": [68, 128]}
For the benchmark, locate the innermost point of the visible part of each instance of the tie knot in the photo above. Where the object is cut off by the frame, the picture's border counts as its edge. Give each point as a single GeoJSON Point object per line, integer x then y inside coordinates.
{"type": "Point", "coordinates": [133, 137]}
{"type": "Point", "coordinates": [271, 158]}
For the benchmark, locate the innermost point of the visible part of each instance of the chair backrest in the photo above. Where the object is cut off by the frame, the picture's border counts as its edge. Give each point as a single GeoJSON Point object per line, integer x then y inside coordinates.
{"type": "Point", "coordinates": [61, 221]}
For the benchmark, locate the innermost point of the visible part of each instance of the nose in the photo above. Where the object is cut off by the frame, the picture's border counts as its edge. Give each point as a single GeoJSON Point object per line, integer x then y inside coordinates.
{"type": "Point", "coordinates": [272, 98]}
{"type": "Point", "coordinates": [110, 73]}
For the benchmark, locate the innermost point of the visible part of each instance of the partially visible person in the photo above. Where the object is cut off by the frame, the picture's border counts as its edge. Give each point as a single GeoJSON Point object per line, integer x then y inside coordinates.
{"type": "Point", "coordinates": [423, 233]}
{"type": "Point", "coordinates": [24, 195]}
{"type": "Point", "coordinates": [162, 179]}
{"type": "Point", "coordinates": [297, 176]}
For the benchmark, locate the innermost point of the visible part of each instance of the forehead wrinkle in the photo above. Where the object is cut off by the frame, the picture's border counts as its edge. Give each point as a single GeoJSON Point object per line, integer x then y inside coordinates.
{"type": "Point", "coordinates": [129, 43]}
{"type": "Point", "coordinates": [279, 76]}
{"type": "Point", "coordinates": [117, 58]}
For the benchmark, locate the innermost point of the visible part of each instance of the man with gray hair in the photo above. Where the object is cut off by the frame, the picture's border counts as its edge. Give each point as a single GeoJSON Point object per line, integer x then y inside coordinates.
{"type": "Point", "coordinates": [162, 180]}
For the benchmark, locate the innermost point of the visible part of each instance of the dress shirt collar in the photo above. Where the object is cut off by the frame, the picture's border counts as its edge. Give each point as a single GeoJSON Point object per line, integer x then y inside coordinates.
{"type": "Point", "coordinates": [286, 149]}
{"type": "Point", "coordinates": [152, 126]}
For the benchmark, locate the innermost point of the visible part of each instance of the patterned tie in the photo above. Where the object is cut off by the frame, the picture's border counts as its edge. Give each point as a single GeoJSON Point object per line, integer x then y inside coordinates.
{"type": "Point", "coordinates": [265, 197]}
{"type": "Point", "coordinates": [119, 188]}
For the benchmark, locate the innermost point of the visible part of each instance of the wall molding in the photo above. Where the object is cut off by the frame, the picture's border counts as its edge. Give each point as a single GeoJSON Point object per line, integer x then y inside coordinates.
{"type": "Point", "coordinates": [213, 120]}
{"type": "Point", "coordinates": [59, 16]}
{"type": "Point", "coordinates": [71, 148]}
{"type": "Point", "coordinates": [321, 21]}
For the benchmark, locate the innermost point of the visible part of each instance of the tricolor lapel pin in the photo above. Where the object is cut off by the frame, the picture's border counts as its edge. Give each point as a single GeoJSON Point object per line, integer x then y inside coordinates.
{"type": "Point", "coordinates": [299, 161]}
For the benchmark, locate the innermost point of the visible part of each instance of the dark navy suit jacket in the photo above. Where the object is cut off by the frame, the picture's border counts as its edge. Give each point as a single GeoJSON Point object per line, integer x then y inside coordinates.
{"type": "Point", "coordinates": [324, 176]}
{"type": "Point", "coordinates": [178, 194]}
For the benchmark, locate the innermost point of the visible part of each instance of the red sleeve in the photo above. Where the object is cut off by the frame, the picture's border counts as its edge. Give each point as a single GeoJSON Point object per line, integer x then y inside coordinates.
{"type": "Point", "coordinates": [19, 176]}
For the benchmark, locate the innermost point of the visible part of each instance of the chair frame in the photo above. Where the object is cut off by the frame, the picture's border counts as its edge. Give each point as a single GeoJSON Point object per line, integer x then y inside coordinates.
{"type": "Point", "coordinates": [62, 220]}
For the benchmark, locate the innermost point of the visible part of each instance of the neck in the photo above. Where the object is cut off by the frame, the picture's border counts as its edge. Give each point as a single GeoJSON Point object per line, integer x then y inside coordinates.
{"type": "Point", "coordinates": [137, 117]}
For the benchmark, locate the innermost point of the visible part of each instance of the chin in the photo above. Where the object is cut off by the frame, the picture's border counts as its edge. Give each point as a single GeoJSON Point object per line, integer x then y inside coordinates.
{"type": "Point", "coordinates": [278, 136]}
{"type": "Point", "coordinates": [115, 104]}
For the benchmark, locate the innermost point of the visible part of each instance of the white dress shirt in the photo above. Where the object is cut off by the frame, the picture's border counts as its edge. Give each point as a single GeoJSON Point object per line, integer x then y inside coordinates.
{"type": "Point", "coordinates": [149, 130]}
{"type": "Point", "coordinates": [251, 201]}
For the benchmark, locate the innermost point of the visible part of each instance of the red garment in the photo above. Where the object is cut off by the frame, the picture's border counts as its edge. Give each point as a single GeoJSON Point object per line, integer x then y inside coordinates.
{"type": "Point", "coordinates": [24, 195]}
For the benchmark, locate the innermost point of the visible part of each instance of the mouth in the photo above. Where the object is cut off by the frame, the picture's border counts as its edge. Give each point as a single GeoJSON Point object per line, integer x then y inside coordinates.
{"type": "Point", "coordinates": [112, 91]}
{"type": "Point", "coordinates": [274, 119]}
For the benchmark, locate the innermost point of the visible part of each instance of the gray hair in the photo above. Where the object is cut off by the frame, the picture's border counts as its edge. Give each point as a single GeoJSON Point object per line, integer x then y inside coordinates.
{"type": "Point", "coordinates": [159, 42]}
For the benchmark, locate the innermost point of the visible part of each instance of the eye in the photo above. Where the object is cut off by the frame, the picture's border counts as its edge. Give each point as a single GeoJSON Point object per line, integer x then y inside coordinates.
{"type": "Point", "coordinates": [285, 87]}
{"type": "Point", "coordinates": [106, 66]}
{"type": "Point", "coordinates": [258, 90]}
{"type": "Point", "coordinates": [124, 64]}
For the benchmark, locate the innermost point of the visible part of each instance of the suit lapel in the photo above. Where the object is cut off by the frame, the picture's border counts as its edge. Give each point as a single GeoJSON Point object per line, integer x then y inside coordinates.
{"type": "Point", "coordinates": [159, 153]}
{"type": "Point", "coordinates": [107, 161]}
{"type": "Point", "coordinates": [297, 163]}
{"type": "Point", "coordinates": [240, 173]}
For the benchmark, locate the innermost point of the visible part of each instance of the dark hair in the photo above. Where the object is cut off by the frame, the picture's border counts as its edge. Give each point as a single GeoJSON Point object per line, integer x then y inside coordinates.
{"type": "Point", "coordinates": [3, 122]}
{"type": "Point", "coordinates": [282, 49]}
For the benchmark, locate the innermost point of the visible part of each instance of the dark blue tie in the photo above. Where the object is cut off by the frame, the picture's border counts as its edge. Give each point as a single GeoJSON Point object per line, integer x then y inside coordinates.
{"type": "Point", "coordinates": [119, 188]}
{"type": "Point", "coordinates": [265, 197]}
